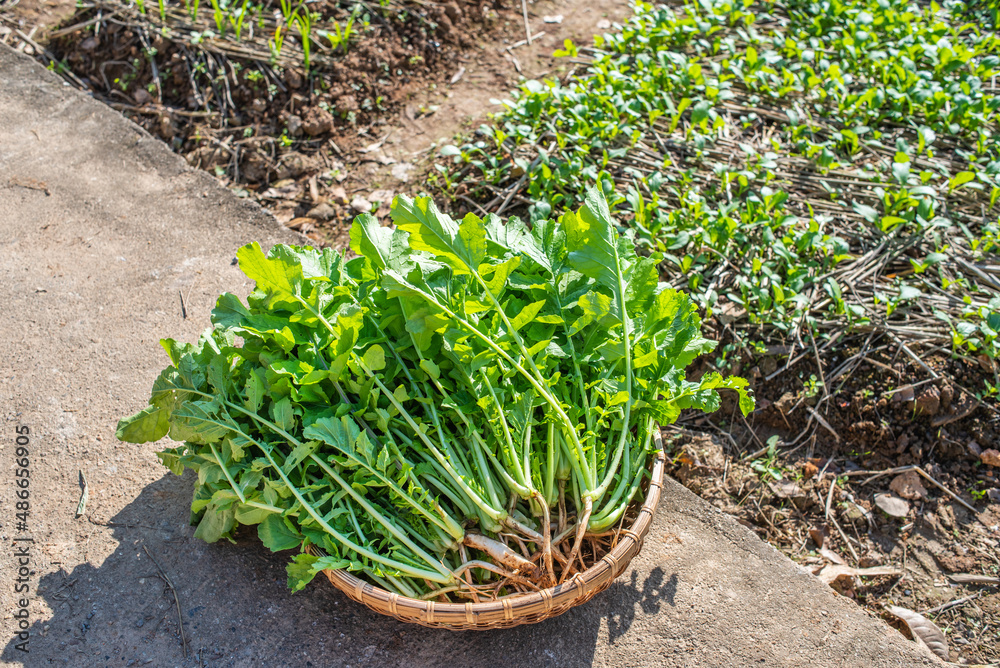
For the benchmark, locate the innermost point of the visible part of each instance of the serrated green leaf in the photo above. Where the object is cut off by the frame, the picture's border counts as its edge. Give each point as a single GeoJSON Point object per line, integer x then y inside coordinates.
{"type": "Point", "coordinates": [148, 425]}
{"type": "Point", "coordinates": [461, 246]}
{"type": "Point", "coordinates": [526, 315]}
{"type": "Point", "coordinates": [300, 571]}
{"type": "Point", "coordinates": [276, 535]}
{"type": "Point", "coordinates": [371, 241]}
{"type": "Point", "coordinates": [278, 277]}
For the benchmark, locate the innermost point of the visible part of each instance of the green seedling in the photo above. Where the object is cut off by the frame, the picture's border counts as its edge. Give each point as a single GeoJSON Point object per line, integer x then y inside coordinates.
{"type": "Point", "coordinates": [340, 37]}
{"type": "Point", "coordinates": [767, 467]}
{"type": "Point", "coordinates": [236, 19]}
{"type": "Point", "coordinates": [219, 15]}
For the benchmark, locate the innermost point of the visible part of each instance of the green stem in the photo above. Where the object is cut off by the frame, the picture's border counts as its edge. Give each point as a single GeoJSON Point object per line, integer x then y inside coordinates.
{"type": "Point", "coordinates": [512, 460]}
{"type": "Point", "coordinates": [550, 473]}
{"type": "Point", "coordinates": [294, 441]}
{"type": "Point", "coordinates": [439, 518]}
{"type": "Point", "coordinates": [380, 518]}
{"type": "Point", "coordinates": [343, 540]}
{"type": "Point", "coordinates": [229, 476]}
{"type": "Point", "coordinates": [598, 493]}
{"type": "Point", "coordinates": [581, 458]}
{"type": "Point", "coordinates": [494, 514]}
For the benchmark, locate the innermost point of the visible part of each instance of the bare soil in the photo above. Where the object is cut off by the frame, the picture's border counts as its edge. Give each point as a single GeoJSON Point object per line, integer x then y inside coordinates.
{"type": "Point", "coordinates": [812, 499]}
{"type": "Point", "coordinates": [316, 149]}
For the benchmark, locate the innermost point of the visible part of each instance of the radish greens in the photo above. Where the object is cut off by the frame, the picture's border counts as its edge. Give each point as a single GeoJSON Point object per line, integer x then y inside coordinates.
{"type": "Point", "coordinates": [447, 414]}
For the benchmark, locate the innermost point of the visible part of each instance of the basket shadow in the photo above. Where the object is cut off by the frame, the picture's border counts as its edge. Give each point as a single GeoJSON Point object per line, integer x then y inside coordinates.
{"type": "Point", "coordinates": [627, 597]}
{"type": "Point", "coordinates": [237, 610]}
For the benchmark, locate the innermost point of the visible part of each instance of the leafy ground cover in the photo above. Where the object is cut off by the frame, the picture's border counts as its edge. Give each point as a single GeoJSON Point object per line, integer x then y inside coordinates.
{"type": "Point", "coordinates": [836, 160]}
{"type": "Point", "coordinates": [824, 178]}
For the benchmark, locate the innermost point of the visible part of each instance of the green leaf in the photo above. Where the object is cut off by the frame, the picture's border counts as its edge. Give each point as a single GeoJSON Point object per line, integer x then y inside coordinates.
{"type": "Point", "coordinates": [229, 311]}
{"type": "Point", "coordinates": [595, 247]}
{"type": "Point", "coordinates": [500, 273]}
{"type": "Point", "coordinates": [700, 111]}
{"type": "Point", "coordinates": [432, 369]}
{"type": "Point", "coordinates": [251, 515]}
{"type": "Point", "coordinates": [171, 458]}
{"type": "Point", "coordinates": [526, 315]}
{"type": "Point", "coordinates": [256, 388]}
{"type": "Point", "coordinates": [569, 50]}
{"type": "Point", "coordinates": [329, 563]}
{"type": "Point", "coordinates": [148, 425]}
{"type": "Point", "coordinates": [199, 422]}
{"type": "Point", "coordinates": [276, 535]}
{"type": "Point", "coordinates": [216, 523]}
{"type": "Point", "coordinates": [278, 277]}
{"type": "Point", "coordinates": [374, 358]}
{"type": "Point", "coordinates": [300, 571]}
{"type": "Point", "coordinates": [371, 241]}
{"type": "Point", "coordinates": [283, 413]}
{"type": "Point", "coordinates": [515, 238]}
{"type": "Point", "coordinates": [960, 180]}
{"type": "Point", "coordinates": [461, 246]}
{"type": "Point", "coordinates": [647, 359]}
{"type": "Point", "coordinates": [901, 172]}
{"type": "Point", "coordinates": [865, 211]}
{"type": "Point", "coordinates": [664, 412]}
{"type": "Point", "coordinates": [298, 455]}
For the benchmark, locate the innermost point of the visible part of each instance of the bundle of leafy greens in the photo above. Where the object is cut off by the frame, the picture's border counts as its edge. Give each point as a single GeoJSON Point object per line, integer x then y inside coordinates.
{"type": "Point", "coordinates": [448, 414]}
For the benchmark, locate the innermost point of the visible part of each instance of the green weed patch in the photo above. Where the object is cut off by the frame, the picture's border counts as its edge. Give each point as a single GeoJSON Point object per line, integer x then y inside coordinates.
{"type": "Point", "coordinates": [812, 168]}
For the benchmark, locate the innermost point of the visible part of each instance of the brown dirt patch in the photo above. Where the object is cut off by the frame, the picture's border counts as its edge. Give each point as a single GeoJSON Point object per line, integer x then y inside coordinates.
{"type": "Point", "coordinates": [317, 149]}
{"type": "Point", "coordinates": [882, 414]}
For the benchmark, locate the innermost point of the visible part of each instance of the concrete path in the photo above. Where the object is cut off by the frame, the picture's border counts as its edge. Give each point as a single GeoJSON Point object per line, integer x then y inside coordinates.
{"type": "Point", "coordinates": [101, 230]}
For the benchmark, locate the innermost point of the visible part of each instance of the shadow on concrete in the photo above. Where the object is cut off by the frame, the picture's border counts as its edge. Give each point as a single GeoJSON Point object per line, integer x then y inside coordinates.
{"type": "Point", "coordinates": [654, 590]}
{"type": "Point", "coordinates": [237, 610]}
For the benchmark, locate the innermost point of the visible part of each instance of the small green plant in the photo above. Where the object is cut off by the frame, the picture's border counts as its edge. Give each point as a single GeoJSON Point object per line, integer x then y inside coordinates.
{"type": "Point", "coordinates": [236, 19]}
{"type": "Point", "coordinates": [767, 466]}
{"type": "Point", "coordinates": [141, 4]}
{"type": "Point", "coordinates": [274, 44]}
{"type": "Point", "coordinates": [303, 20]}
{"type": "Point", "coordinates": [163, 10]}
{"type": "Point", "coordinates": [340, 37]}
{"type": "Point", "coordinates": [811, 386]}
{"type": "Point", "coordinates": [59, 67]}
{"type": "Point", "coordinates": [219, 15]}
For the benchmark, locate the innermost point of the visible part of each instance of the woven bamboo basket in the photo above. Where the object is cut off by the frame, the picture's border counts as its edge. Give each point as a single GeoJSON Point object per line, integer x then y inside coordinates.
{"type": "Point", "coordinates": [515, 609]}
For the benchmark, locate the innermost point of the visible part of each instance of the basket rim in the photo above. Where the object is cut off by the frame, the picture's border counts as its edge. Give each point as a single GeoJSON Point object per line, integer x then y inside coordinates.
{"type": "Point", "coordinates": [506, 610]}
